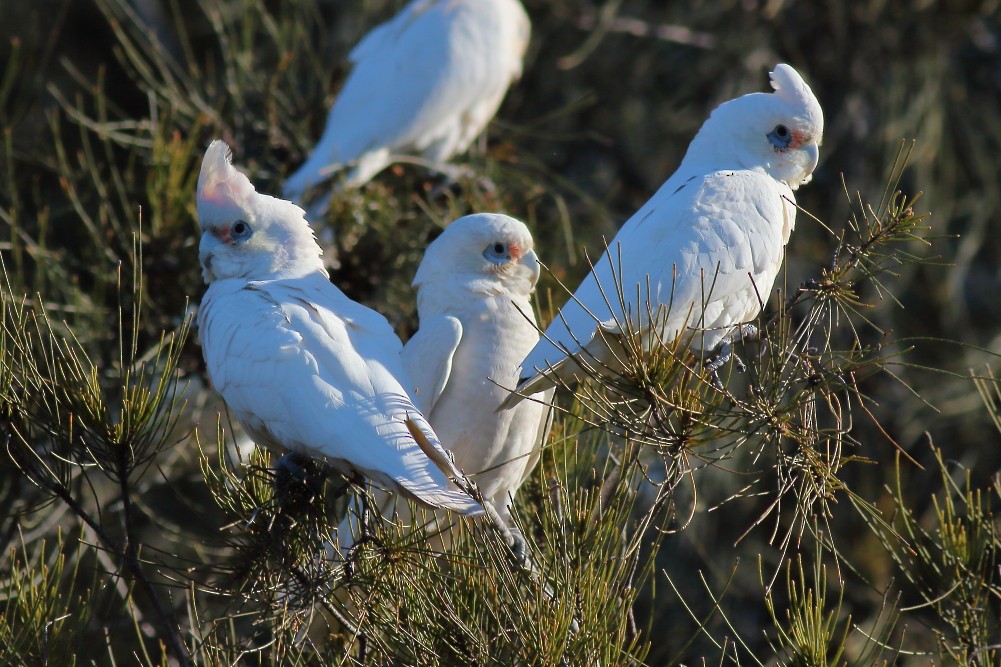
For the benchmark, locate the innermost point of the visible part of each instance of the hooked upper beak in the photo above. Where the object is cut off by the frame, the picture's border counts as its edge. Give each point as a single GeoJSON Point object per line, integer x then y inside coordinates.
{"type": "Point", "coordinates": [813, 153]}
{"type": "Point", "coordinates": [531, 261]}
{"type": "Point", "coordinates": [206, 247]}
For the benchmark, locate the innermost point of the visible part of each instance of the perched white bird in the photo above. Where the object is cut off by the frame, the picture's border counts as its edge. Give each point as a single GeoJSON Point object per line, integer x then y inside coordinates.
{"type": "Point", "coordinates": [425, 83]}
{"type": "Point", "coordinates": [476, 324]}
{"type": "Point", "coordinates": [700, 257]}
{"type": "Point", "coordinates": [301, 366]}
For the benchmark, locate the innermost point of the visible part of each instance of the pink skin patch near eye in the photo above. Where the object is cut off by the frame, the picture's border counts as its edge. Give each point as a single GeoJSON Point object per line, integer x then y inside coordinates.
{"type": "Point", "coordinates": [223, 234]}
{"type": "Point", "coordinates": [515, 251]}
{"type": "Point", "coordinates": [797, 139]}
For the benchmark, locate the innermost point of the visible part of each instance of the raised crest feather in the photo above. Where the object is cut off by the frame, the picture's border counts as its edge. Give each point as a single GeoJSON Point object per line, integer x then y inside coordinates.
{"type": "Point", "coordinates": [785, 79]}
{"type": "Point", "coordinates": [220, 184]}
{"type": "Point", "coordinates": [790, 86]}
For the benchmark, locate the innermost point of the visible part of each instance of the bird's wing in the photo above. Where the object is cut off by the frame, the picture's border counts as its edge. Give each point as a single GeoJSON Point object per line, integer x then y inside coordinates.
{"type": "Point", "coordinates": [414, 79]}
{"type": "Point", "coordinates": [734, 250]}
{"type": "Point", "coordinates": [382, 38]}
{"type": "Point", "coordinates": [424, 69]}
{"type": "Point", "coordinates": [427, 356]}
{"type": "Point", "coordinates": [706, 248]}
{"type": "Point", "coordinates": [296, 376]}
{"type": "Point", "coordinates": [544, 427]}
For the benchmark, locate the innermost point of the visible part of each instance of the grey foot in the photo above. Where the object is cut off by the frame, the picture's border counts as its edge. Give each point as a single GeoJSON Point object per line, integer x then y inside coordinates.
{"type": "Point", "coordinates": [452, 174]}
{"type": "Point", "coordinates": [724, 352]}
{"type": "Point", "coordinates": [519, 547]}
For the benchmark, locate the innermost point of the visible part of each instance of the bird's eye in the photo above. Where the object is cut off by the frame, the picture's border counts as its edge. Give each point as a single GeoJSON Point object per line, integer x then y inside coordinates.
{"type": "Point", "coordinates": [240, 231]}
{"type": "Point", "coordinates": [497, 253]}
{"type": "Point", "coordinates": [780, 137]}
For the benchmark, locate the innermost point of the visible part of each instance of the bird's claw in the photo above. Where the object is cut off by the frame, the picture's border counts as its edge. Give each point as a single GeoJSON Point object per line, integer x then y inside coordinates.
{"type": "Point", "coordinates": [746, 333]}
{"type": "Point", "coordinates": [452, 175]}
{"type": "Point", "coordinates": [724, 352]}
{"type": "Point", "coordinates": [519, 547]}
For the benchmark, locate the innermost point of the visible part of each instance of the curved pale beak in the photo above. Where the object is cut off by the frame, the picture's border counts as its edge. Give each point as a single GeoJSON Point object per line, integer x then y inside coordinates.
{"type": "Point", "coordinates": [811, 154]}
{"type": "Point", "coordinates": [531, 261]}
{"type": "Point", "coordinates": [206, 247]}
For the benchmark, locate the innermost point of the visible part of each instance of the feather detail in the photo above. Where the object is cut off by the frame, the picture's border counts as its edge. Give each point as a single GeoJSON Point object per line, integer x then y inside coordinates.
{"type": "Point", "coordinates": [221, 187]}
{"type": "Point", "coordinates": [425, 83]}
{"type": "Point", "coordinates": [436, 454]}
{"type": "Point", "coordinates": [791, 88]}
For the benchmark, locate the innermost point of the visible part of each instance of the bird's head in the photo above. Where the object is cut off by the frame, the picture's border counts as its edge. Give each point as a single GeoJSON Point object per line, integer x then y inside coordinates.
{"type": "Point", "coordinates": [246, 234]}
{"type": "Point", "coordinates": [491, 252]}
{"type": "Point", "coordinates": [779, 132]}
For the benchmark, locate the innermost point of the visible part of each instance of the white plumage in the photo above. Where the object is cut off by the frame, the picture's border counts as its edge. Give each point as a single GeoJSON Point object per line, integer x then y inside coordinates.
{"type": "Point", "coordinates": [301, 366]}
{"type": "Point", "coordinates": [425, 83]}
{"type": "Point", "coordinates": [476, 324]}
{"type": "Point", "coordinates": [704, 251]}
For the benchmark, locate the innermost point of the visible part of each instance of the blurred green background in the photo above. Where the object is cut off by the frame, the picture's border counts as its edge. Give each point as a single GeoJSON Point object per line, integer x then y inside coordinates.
{"type": "Point", "coordinates": [611, 95]}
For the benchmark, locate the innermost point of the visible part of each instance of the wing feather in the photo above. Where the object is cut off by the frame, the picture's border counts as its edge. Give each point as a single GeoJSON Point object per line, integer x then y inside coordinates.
{"type": "Point", "coordinates": [301, 377]}
{"type": "Point", "coordinates": [428, 357]}
{"type": "Point", "coordinates": [707, 250]}
{"type": "Point", "coordinates": [420, 83]}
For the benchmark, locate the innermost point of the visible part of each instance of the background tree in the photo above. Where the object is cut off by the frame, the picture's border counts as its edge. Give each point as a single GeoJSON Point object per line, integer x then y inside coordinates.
{"type": "Point", "coordinates": [834, 505]}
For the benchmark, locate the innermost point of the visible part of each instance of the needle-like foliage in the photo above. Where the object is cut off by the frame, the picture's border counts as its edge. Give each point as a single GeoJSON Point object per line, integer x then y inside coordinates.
{"type": "Point", "coordinates": [789, 514]}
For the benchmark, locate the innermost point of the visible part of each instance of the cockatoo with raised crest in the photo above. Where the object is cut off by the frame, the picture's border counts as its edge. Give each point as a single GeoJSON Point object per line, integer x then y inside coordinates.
{"type": "Point", "coordinates": [424, 83]}
{"type": "Point", "coordinates": [302, 367]}
{"type": "Point", "coordinates": [476, 324]}
{"type": "Point", "coordinates": [700, 257]}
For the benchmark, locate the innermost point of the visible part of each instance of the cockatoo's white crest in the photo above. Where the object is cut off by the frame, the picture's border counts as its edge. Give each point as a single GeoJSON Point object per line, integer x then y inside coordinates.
{"type": "Point", "coordinates": [222, 189]}
{"type": "Point", "coordinates": [791, 87]}
{"type": "Point", "coordinates": [700, 257]}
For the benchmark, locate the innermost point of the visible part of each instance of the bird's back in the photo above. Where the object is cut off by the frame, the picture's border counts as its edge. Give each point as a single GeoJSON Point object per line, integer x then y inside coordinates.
{"type": "Point", "coordinates": [425, 82]}
{"type": "Point", "coordinates": [702, 254]}
{"type": "Point", "coordinates": [306, 369]}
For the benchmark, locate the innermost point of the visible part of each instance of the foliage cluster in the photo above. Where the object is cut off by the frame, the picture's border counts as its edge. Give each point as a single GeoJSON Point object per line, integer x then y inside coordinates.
{"type": "Point", "coordinates": [799, 515]}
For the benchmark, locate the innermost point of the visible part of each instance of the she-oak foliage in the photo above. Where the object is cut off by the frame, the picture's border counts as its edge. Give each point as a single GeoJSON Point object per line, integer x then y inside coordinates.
{"type": "Point", "coordinates": [128, 534]}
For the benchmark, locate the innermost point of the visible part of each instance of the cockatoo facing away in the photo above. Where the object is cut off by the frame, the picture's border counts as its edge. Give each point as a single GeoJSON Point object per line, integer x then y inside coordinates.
{"type": "Point", "coordinates": [425, 83]}
{"type": "Point", "coordinates": [303, 367]}
{"type": "Point", "coordinates": [700, 257]}
{"type": "Point", "coordinates": [476, 324]}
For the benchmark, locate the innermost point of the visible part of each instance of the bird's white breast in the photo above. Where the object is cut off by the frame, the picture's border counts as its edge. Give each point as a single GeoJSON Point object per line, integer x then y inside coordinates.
{"type": "Point", "coordinates": [496, 336]}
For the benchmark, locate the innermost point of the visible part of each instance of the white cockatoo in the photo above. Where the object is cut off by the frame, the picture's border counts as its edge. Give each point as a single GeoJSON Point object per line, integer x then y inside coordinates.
{"type": "Point", "coordinates": [700, 257]}
{"type": "Point", "coordinates": [424, 83]}
{"type": "Point", "coordinates": [301, 366]}
{"type": "Point", "coordinates": [474, 289]}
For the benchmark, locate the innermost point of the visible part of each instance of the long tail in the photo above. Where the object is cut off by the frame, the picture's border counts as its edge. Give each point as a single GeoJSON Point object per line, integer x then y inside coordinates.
{"type": "Point", "coordinates": [454, 499]}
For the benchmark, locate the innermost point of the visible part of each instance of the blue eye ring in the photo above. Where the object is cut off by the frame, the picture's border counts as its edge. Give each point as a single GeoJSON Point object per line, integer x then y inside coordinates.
{"type": "Point", "coordinates": [240, 231]}
{"type": "Point", "coordinates": [780, 137]}
{"type": "Point", "coordinates": [497, 253]}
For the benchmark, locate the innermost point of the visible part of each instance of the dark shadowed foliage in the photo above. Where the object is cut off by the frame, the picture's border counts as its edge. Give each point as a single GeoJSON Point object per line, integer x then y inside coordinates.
{"type": "Point", "coordinates": [832, 504]}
